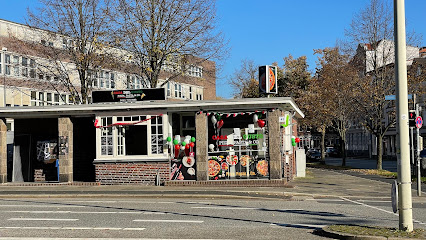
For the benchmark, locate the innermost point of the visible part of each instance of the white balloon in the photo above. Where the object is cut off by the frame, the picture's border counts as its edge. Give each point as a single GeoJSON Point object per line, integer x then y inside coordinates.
{"type": "Point", "coordinates": [182, 148]}
{"type": "Point", "coordinates": [255, 118]}
{"type": "Point", "coordinates": [214, 120]}
{"type": "Point", "coordinates": [187, 140]}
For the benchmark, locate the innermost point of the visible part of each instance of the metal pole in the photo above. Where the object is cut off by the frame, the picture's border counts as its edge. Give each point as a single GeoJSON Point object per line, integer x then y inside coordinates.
{"type": "Point", "coordinates": [412, 146]}
{"type": "Point", "coordinates": [419, 177]}
{"type": "Point", "coordinates": [403, 153]}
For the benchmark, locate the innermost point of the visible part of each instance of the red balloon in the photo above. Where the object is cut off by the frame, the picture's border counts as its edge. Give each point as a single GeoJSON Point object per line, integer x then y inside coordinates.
{"type": "Point", "coordinates": [192, 144]}
{"type": "Point", "coordinates": [187, 146]}
{"type": "Point", "coordinates": [297, 140]}
{"type": "Point", "coordinates": [220, 123]}
{"type": "Point", "coordinates": [177, 146]}
{"type": "Point", "coordinates": [261, 123]}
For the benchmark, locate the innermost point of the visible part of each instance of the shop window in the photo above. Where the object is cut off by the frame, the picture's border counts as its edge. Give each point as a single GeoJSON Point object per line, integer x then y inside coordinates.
{"type": "Point", "coordinates": [238, 148]}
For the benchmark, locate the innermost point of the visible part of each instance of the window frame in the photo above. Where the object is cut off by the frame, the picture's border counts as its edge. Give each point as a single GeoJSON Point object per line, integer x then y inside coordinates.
{"type": "Point", "coordinates": [119, 138]}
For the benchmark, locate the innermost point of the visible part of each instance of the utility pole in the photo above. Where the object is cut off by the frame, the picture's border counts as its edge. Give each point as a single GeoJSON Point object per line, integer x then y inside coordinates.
{"type": "Point", "coordinates": [403, 151]}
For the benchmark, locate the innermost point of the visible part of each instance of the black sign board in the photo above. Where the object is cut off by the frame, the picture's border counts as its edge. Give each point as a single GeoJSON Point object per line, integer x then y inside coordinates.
{"type": "Point", "coordinates": [129, 95]}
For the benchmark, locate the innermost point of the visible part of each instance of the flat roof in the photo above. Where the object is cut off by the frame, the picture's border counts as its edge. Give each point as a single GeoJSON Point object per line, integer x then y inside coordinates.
{"type": "Point", "coordinates": [152, 107]}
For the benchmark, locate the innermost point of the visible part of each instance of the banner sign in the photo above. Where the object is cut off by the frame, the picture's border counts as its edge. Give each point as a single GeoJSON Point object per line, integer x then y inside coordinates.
{"type": "Point", "coordinates": [129, 95]}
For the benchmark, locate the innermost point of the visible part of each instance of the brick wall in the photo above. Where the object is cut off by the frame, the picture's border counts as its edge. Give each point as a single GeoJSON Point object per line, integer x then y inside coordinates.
{"type": "Point", "coordinates": [131, 173]}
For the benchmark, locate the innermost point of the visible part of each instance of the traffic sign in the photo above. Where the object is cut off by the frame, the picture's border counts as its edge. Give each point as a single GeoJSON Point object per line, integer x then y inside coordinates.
{"type": "Point", "coordinates": [419, 122]}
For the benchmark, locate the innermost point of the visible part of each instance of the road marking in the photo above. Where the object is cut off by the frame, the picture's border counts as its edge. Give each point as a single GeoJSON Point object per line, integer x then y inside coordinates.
{"type": "Point", "coordinates": [228, 208]}
{"type": "Point", "coordinates": [79, 212]}
{"type": "Point", "coordinates": [167, 221]}
{"type": "Point", "coordinates": [42, 219]}
{"type": "Point", "coordinates": [46, 206]}
{"type": "Point", "coordinates": [383, 210]}
{"type": "Point", "coordinates": [374, 201]}
{"type": "Point", "coordinates": [35, 238]}
{"type": "Point", "coordinates": [74, 228]}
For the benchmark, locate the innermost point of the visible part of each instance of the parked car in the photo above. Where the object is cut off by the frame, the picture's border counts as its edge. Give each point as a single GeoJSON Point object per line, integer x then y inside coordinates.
{"type": "Point", "coordinates": [313, 155]}
{"type": "Point", "coordinates": [332, 152]}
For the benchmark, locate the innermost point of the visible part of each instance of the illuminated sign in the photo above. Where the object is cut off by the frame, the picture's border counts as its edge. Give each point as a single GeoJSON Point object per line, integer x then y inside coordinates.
{"type": "Point", "coordinates": [129, 95]}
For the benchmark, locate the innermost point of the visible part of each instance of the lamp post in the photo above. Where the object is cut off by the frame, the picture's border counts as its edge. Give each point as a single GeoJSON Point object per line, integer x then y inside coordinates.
{"type": "Point", "coordinates": [4, 76]}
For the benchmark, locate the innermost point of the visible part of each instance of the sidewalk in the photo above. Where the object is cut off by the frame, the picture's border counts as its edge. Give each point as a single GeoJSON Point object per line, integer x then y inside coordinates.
{"type": "Point", "coordinates": [318, 183]}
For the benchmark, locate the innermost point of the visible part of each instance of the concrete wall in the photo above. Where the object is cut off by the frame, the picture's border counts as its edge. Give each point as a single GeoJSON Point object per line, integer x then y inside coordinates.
{"type": "Point", "coordinates": [65, 141]}
{"type": "Point", "coordinates": [274, 145]}
{"type": "Point", "coordinates": [201, 146]}
{"type": "Point", "coordinates": [3, 151]}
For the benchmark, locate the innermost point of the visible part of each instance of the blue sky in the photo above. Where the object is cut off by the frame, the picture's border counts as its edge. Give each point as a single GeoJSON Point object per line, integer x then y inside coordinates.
{"type": "Point", "coordinates": [268, 31]}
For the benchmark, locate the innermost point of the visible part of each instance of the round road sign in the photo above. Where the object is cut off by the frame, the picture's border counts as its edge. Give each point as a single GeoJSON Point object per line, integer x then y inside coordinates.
{"type": "Point", "coordinates": [419, 122]}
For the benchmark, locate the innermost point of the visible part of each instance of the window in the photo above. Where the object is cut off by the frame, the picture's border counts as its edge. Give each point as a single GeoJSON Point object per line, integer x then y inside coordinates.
{"type": "Point", "coordinates": [1, 61]}
{"type": "Point", "coordinates": [178, 90]}
{"type": "Point", "coordinates": [156, 135]}
{"type": "Point", "coordinates": [106, 137]}
{"type": "Point", "coordinates": [131, 135]}
{"type": "Point", "coordinates": [168, 89]}
{"type": "Point", "coordinates": [190, 93]}
{"type": "Point", "coordinates": [49, 98]}
{"type": "Point", "coordinates": [7, 64]}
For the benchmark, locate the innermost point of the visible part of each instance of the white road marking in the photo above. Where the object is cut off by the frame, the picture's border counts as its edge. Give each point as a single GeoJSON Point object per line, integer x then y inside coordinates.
{"type": "Point", "coordinates": [46, 206]}
{"type": "Point", "coordinates": [73, 228]}
{"type": "Point", "coordinates": [227, 208]}
{"type": "Point", "coordinates": [386, 211]}
{"type": "Point", "coordinates": [374, 201]}
{"type": "Point", "coordinates": [304, 225]}
{"type": "Point", "coordinates": [31, 238]}
{"type": "Point", "coordinates": [42, 219]}
{"type": "Point", "coordinates": [167, 221]}
{"type": "Point", "coordinates": [81, 212]}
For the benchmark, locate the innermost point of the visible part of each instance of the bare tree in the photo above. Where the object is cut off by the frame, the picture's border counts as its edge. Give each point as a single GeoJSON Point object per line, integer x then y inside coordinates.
{"type": "Point", "coordinates": [76, 40]}
{"type": "Point", "coordinates": [169, 34]}
{"type": "Point", "coordinates": [371, 31]}
{"type": "Point", "coordinates": [244, 81]}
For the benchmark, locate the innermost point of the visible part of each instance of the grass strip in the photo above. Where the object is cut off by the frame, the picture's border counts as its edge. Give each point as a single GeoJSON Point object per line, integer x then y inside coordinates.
{"type": "Point", "coordinates": [377, 231]}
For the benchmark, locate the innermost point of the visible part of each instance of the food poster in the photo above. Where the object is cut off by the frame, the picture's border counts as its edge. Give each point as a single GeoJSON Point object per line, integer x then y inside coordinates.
{"type": "Point", "coordinates": [237, 150]}
{"type": "Point", "coordinates": [182, 153]}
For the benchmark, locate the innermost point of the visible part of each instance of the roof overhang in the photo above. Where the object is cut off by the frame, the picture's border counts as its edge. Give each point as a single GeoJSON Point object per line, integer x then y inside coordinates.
{"type": "Point", "coordinates": [226, 105]}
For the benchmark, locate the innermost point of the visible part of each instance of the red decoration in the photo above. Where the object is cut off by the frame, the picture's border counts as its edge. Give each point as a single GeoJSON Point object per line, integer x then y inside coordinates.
{"type": "Point", "coordinates": [96, 123]}
{"type": "Point", "coordinates": [220, 124]}
{"type": "Point", "coordinates": [261, 123]}
{"type": "Point", "coordinates": [191, 144]}
{"type": "Point", "coordinates": [297, 140]}
{"type": "Point", "coordinates": [177, 147]}
{"type": "Point", "coordinates": [187, 146]}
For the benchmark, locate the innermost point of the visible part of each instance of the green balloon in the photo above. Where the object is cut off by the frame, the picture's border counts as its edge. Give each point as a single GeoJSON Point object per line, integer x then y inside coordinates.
{"type": "Point", "coordinates": [183, 143]}
{"type": "Point", "coordinates": [193, 139]}
{"type": "Point", "coordinates": [175, 142]}
{"type": "Point", "coordinates": [169, 139]}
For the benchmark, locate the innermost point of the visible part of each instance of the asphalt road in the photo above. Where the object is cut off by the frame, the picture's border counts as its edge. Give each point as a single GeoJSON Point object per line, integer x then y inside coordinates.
{"type": "Point", "coordinates": [167, 218]}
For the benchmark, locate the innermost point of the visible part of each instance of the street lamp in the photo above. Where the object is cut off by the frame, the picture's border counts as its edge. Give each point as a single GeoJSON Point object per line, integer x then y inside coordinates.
{"type": "Point", "coordinates": [4, 76]}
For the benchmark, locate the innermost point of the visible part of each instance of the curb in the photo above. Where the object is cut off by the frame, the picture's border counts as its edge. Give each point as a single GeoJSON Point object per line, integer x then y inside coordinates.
{"type": "Point", "coordinates": [326, 232]}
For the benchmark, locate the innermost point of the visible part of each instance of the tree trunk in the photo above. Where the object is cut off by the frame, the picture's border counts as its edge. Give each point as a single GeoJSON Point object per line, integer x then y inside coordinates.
{"type": "Point", "coordinates": [323, 145]}
{"type": "Point", "coordinates": [379, 152]}
{"type": "Point", "coordinates": [343, 150]}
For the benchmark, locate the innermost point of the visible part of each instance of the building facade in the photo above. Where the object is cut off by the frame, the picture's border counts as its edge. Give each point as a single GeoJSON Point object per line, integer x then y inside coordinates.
{"type": "Point", "coordinates": [25, 82]}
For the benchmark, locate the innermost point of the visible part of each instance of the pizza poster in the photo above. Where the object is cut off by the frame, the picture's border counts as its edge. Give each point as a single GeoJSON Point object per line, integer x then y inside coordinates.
{"type": "Point", "coordinates": [237, 167]}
